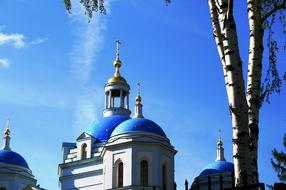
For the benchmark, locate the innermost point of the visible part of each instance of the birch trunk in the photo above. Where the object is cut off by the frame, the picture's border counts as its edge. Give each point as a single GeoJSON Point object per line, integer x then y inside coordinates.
{"type": "Point", "coordinates": [226, 34]}
{"type": "Point", "coordinates": [254, 81]}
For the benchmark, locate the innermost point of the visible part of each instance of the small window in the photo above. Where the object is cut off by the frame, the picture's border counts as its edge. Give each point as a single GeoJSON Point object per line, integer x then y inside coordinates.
{"type": "Point", "coordinates": [120, 175]}
{"type": "Point", "coordinates": [164, 177]}
{"type": "Point", "coordinates": [144, 173]}
{"type": "Point", "coordinates": [84, 151]}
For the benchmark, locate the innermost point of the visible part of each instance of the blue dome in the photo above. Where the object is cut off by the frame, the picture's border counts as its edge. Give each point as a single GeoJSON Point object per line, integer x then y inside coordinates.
{"type": "Point", "coordinates": [11, 157]}
{"type": "Point", "coordinates": [217, 167]}
{"type": "Point", "coordinates": [138, 125]}
{"type": "Point", "coordinates": [102, 128]}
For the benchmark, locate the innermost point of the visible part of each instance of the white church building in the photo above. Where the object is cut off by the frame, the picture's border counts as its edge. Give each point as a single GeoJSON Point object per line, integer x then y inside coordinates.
{"type": "Point", "coordinates": [119, 151]}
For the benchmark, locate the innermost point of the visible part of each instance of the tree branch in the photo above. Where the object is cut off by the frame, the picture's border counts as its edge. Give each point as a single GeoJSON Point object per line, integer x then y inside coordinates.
{"type": "Point", "coordinates": [275, 8]}
{"type": "Point", "coordinates": [217, 30]}
{"type": "Point", "coordinates": [230, 9]}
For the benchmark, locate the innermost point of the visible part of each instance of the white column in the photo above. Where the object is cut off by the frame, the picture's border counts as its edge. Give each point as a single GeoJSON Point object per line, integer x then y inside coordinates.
{"type": "Point", "coordinates": [109, 99]}
{"type": "Point", "coordinates": [127, 105]}
{"type": "Point", "coordinates": [106, 100]}
{"type": "Point", "coordinates": [112, 102]}
{"type": "Point", "coordinates": [121, 99]}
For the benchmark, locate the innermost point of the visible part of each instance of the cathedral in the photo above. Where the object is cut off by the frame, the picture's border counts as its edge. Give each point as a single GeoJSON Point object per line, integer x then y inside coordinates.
{"type": "Point", "coordinates": [119, 151]}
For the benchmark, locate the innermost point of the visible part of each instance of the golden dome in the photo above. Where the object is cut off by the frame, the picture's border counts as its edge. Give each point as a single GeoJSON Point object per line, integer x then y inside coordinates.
{"type": "Point", "coordinates": [117, 78]}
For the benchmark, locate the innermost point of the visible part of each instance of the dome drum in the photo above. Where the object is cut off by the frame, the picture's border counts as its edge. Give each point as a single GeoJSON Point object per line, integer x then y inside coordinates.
{"type": "Point", "coordinates": [116, 111]}
{"type": "Point", "coordinates": [116, 86]}
{"type": "Point", "coordinates": [117, 93]}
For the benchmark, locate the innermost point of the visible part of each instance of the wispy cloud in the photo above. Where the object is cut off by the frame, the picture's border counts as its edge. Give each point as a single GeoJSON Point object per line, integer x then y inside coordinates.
{"type": "Point", "coordinates": [16, 40]}
{"type": "Point", "coordinates": [4, 63]}
{"type": "Point", "coordinates": [88, 40]}
{"type": "Point", "coordinates": [88, 108]}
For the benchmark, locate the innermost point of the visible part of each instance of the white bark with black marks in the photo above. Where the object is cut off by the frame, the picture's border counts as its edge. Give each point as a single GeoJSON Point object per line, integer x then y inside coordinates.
{"type": "Point", "coordinates": [225, 33]}
{"type": "Point", "coordinates": [254, 81]}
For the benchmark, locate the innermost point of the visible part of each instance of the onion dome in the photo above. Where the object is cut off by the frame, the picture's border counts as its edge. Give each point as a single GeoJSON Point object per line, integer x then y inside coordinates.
{"type": "Point", "coordinates": [217, 167]}
{"type": "Point", "coordinates": [115, 89]}
{"type": "Point", "coordinates": [117, 78]}
{"type": "Point", "coordinates": [220, 165]}
{"type": "Point", "coordinates": [102, 128]}
{"type": "Point", "coordinates": [11, 157]}
{"type": "Point", "coordinates": [138, 123]}
{"type": "Point", "coordinates": [7, 156]}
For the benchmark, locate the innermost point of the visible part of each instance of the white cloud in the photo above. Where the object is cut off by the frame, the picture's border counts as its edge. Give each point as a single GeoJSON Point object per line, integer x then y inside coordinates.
{"type": "Point", "coordinates": [4, 62]}
{"type": "Point", "coordinates": [88, 40]}
{"type": "Point", "coordinates": [17, 40]}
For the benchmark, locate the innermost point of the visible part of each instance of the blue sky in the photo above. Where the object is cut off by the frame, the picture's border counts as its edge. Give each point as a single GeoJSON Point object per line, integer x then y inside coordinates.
{"type": "Point", "coordinates": [54, 67]}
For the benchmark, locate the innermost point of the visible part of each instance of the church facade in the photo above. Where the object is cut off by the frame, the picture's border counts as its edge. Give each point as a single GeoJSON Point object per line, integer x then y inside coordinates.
{"type": "Point", "coordinates": [119, 151]}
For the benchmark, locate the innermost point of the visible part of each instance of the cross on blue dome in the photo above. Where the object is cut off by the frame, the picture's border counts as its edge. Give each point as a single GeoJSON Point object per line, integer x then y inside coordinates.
{"type": "Point", "coordinates": [220, 165]}
{"type": "Point", "coordinates": [7, 156]}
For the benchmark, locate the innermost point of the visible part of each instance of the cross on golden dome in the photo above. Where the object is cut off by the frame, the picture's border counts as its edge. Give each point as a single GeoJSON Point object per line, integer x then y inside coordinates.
{"type": "Point", "coordinates": [117, 62]}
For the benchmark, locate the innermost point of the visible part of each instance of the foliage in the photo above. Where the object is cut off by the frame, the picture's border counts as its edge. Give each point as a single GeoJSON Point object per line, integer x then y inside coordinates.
{"type": "Point", "coordinates": [279, 162]}
{"type": "Point", "coordinates": [89, 5]}
{"type": "Point", "coordinates": [92, 6]}
{"type": "Point", "coordinates": [271, 11]}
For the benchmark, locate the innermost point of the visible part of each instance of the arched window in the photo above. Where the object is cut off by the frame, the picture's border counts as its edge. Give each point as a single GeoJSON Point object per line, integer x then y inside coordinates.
{"type": "Point", "coordinates": [84, 151]}
{"type": "Point", "coordinates": [120, 175]}
{"type": "Point", "coordinates": [164, 177]}
{"type": "Point", "coordinates": [144, 173]}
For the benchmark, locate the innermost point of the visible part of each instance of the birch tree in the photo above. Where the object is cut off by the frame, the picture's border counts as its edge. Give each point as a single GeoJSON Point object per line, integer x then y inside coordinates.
{"type": "Point", "coordinates": [245, 100]}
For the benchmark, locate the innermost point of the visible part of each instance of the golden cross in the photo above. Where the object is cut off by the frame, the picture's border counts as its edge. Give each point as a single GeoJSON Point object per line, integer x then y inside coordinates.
{"type": "Point", "coordinates": [8, 123]}
{"type": "Point", "coordinates": [219, 134]}
{"type": "Point", "coordinates": [118, 43]}
{"type": "Point", "coordinates": [138, 88]}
